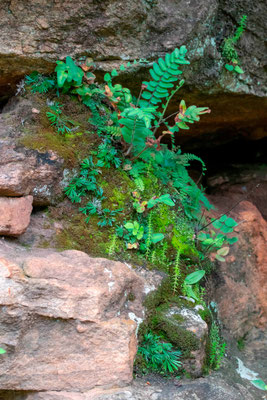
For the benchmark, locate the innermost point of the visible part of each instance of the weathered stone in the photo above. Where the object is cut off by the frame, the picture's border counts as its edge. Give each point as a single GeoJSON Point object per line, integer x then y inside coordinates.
{"type": "Point", "coordinates": [66, 321]}
{"type": "Point", "coordinates": [186, 329]}
{"type": "Point", "coordinates": [35, 34]}
{"type": "Point", "coordinates": [242, 181]}
{"type": "Point", "coordinates": [15, 215]}
{"type": "Point", "coordinates": [240, 286]}
{"type": "Point", "coordinates": [24, 171]}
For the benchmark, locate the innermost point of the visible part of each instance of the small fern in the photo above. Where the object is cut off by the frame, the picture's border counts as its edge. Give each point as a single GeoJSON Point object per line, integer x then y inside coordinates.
{"type": "Point", "coordinates": [139, 184]}
{"type": "Point", "coordinates": [39, 83]}
{"type": "Point", "coordinates": [217, 347]}
{"type": "Point", "coordinates": [149, 233]}
{"type": "Point", "coordinates": [112, 247]}
{"type": "Point", "coordinates": [228, 48]}
{"type": "Point", "coordinates": [176, 271]}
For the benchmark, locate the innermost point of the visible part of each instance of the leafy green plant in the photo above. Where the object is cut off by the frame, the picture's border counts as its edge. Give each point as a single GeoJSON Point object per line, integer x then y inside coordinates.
{"type": "Point", "coordinates": [68, 73]}
{"type": "Point", "coordinates": [216, 347]}
{"type": "Point", "coordinates": [210, 241]}
{"type": "Point", "coordinates": [176, 271]}
{"type": "Point", "coordinates": [190, 280]}
{"type": "Point", "coordinates": [142, 206]}
{"type": "Point", "coordinates": [58, 120]}
{"type": "Point", "coordinates": [39, 83]}
{"type": "Point", "coordinates": [135, 229]}
{"type": "Point", "coordinates": [159, 356]}
{"type": "Point", "coordinates": [228, 48]}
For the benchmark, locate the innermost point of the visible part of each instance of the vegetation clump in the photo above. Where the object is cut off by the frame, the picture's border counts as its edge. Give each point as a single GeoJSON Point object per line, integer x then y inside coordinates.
{"type": "Point", "coordinates": [131, 196]}
{"type": "Point", "coordinates": [228, 47]}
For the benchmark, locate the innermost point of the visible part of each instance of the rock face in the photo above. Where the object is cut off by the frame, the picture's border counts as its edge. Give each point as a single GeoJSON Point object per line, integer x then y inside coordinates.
{"type": "Point", "coordinates": [241, 289]}
{"type": "Point", "coordinates": [23, 171]}
{"type": "Point", "coordinates": [35, 34]}
{"type": "Point", "coordinates": [67, 321]}
{"type": "Point", "coordinates": [185, 328]}
{"type": "Point", "coordinates": [15, 215]}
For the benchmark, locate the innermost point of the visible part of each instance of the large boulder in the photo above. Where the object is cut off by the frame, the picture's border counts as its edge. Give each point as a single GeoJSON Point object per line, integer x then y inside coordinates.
{"type": "Point", "coordinates": [68, 321]}
{"type": "Point", "coordinates": [184, 327]}
{"type": "Point", "coordinates": [240, 284]}
{"type": "Point", "coordinates": [15, 215]}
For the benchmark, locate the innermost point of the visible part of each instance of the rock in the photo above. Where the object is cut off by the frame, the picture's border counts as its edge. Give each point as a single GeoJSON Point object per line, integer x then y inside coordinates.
{"type": "Point", "coordinates": [240, 286]}
{"type": "Point", "coordinates": [35, 35]}
{"type": "Point", "coordinates": [241, 181]}
{"type": "Point", "coordinates": [15, 215]}
{"type": "Point", "coordinates": [65, 321]}
{"type": "Point", "coordinates": [185, 328]}
{"type": "Point", "coordinates": [24, 171]}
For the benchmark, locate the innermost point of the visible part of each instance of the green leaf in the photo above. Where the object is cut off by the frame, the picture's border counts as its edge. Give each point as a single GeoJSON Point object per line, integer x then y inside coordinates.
{"type": "Point", "coordinates": [107, 77]}
{"type": "Point", "coordinates": [114, 72]}
{"type": "Point", "coordinates": [2, 351]}
{"type": "Point", "coordinates": [190, 292]}
{"type": "Point", "coordinates": [194, 277]}
{"type": "Point", "coordinates": [229, 67]}
{"type": "Point", "coordinates": [238, 70]}
{"type": "Point", "coordinates": [182, 125]}
{"type": "Point", "coordinates": [61, 78]}
{"type": "Point", "coordinates": [223, 251]}
{"type": "Point", "coordinates": [217, 224]}
{"type": "Point", "coordinates": [226, 229]}
{"type": "Point", "coordinates": [166, 199]}
{"type": "Point", "coordinates": [232, 240]}
{"type": "Point", "coordinates": [258, 383]}
{"type": "Point", "coordinates": [128, 225]}
{"type": "Point", "coordinates": [157, 237]}
{"type": "Point", "coordinates": [231, 223]}
{"type": "Point", "coordinates": [218, 257]}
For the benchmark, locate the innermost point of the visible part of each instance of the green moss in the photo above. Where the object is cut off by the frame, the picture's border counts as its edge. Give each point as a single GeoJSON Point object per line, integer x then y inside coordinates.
{"type": "Point", "coordinates": [206, 316]}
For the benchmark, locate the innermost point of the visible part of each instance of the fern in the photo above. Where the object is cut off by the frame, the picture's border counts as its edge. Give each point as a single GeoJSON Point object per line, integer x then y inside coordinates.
{"type": "Point", "coordinates": [228, 48]}
{"type": "Point", "coordinates": [176, 271]}
{"type": "Point", "coordinates": [112, 247]}
{"type": "Point", "coordinates": [164, 74]}
{"type": "Point", "coordinates": [39, 83]}
{"type": "Point", "coordinates": [217, 348]}
{"type": "Point", "coordinates": [139, 184]}
{"type": "Point", "coordinates": [149, 233]}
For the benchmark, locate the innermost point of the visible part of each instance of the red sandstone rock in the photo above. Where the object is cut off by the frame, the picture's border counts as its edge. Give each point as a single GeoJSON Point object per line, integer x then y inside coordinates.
{"type": "Point", "coordinates": [15, 215]}
{"type": "Point", "coordinates": [241, 291]}
{"type": "Point", "coordinates": [24, 172]}
{"type": "Point", "coordinates": [65, 322]}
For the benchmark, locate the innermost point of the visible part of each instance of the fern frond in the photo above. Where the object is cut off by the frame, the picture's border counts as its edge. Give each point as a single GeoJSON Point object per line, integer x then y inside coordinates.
{"type": "Point", "coordinates": [114, 131]}
{"type": "Point", "coordinates": [164, 75]}
{"type": "Point", "coordinates": [187, 157]}
{"type": "Point", "coordinates": [176, 271]}
{"type": "Point", "coordinates": [139, 184]}
{"type": "Point", "coordinates": [149, 233]}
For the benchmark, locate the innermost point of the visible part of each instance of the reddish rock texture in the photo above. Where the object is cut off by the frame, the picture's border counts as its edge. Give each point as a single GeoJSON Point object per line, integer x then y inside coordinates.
{"type": "Point", "coordinates": [241, 289]}
{"type": "Point", "coordinates": [65, 321]}
{"type": "Point", "coordinates": [34, 34]}
{"type": "Point", "coordinates": [24, 171]}
{"type": "Point", "coordinates": [15, 215]}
